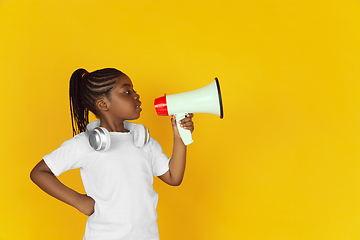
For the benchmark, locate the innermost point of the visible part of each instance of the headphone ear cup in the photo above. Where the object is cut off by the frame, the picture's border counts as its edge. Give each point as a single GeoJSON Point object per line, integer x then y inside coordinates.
{"type": "Point", "coordinates": [147, 135]}
{"type": "Point", "coordinates": [141, 135]}
{"type": "Point", "coordinates": [99, 139]}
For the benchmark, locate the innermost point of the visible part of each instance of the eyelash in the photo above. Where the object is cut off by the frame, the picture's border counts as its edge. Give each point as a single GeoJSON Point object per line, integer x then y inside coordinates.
{"type": "Point", "coordinates": [128, 92]}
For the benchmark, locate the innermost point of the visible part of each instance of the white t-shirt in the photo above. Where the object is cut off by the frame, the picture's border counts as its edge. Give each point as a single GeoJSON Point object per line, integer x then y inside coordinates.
{"type": "Point", "coordinates": [119, 180]}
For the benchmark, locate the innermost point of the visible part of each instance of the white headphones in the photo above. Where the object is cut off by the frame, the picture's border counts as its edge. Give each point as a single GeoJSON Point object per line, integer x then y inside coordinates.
{"type": "Point", "coordinates": [99, 137]}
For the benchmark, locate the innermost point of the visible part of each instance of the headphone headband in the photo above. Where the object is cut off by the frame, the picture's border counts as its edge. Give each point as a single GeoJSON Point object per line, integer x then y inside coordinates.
{"type": "Point", "coordinates": [99, 137]}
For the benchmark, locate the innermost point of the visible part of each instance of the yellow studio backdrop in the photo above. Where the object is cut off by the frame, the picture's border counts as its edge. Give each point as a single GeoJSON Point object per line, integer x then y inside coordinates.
{"type": "Point", "coordinates": [283, 164]}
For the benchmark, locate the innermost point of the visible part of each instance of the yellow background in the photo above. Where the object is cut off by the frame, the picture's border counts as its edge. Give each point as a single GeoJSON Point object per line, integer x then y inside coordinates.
{"type": "Point", "coordinates": [283, 164]}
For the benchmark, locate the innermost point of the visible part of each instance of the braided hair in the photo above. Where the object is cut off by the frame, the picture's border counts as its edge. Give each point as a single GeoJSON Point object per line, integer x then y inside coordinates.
{"type": "Point", "coordinates": [85, 89]}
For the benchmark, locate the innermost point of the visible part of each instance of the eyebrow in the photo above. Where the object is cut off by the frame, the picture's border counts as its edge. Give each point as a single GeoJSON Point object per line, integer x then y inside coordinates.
{"type": "Point", "coordinates": [126, 85]}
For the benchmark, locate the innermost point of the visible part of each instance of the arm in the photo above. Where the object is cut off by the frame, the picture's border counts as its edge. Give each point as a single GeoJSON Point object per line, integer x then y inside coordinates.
{"type": "Point", "coordinates": [177, 163]}
{"type": "Point", "coordinates": [43, 177]}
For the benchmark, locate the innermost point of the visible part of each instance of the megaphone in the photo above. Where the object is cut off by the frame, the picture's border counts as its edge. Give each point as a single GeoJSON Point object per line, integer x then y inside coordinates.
{"type": "Point", "coordinates": [203, 100]}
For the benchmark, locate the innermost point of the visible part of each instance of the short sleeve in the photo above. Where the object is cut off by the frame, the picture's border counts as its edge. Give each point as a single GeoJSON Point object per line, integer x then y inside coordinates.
{"type": "Point", "coordinates": [159, 161]}
{"type": "Point", "coordinates": [66, 157]}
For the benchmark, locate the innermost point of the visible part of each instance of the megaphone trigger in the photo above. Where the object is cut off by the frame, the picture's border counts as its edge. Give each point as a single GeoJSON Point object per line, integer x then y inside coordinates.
{"type": "Point", "coordinates": [184, 133]}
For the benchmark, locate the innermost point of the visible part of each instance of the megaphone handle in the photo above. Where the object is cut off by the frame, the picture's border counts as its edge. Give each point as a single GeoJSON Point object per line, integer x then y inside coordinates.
{"type": "Point", "coordinates": [184, 133]}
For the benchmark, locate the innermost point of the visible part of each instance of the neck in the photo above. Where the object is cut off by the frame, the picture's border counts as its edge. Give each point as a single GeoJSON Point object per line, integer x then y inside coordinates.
{"type": "Point", "coordinates": [113, 125]}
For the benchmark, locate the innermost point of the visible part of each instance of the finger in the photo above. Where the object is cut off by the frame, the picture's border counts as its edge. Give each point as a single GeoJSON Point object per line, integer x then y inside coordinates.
{"type": "Point", "coordinates": [173, 122]}
{"type": "Point", "coordinates": [190, 128]}
{"type": "Point", "coordinates": [190, 115]}
{"type": "Point", "coordinates": [187, 119]}
{"type": "Point", "coordinates": [186, 123]}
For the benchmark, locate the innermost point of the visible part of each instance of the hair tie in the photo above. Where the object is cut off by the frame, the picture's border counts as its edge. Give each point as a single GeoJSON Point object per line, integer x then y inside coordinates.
{"type": "Point", "coordinates": [84, 74]}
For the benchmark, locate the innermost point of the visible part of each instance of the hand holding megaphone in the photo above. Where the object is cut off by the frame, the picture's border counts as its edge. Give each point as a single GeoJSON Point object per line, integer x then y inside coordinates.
{"type": "Point", "coordinates": [203, 100]}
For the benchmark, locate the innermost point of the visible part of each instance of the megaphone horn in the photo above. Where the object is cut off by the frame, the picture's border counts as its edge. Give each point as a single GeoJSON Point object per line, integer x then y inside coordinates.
{"type": "Point", "coordinates": [203, 100]}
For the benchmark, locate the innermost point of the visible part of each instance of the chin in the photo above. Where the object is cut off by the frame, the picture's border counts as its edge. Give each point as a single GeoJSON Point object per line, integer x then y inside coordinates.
{"type": "Point", "coordinates": [134, 118]}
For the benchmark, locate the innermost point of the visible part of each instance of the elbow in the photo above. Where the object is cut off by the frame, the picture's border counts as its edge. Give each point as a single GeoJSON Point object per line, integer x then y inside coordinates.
{"type": "Point", "coordinates": [36, 171]}
{"type": "Point", "coordinates": [170, 179]}
{"type": "Point", "coordinates": [176, 183]}
{"type": "Point", "coordinates": [33, 175]}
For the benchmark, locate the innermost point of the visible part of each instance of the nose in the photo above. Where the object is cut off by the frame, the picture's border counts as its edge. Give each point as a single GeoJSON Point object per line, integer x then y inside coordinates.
{"type": "Point", "coordinates": [136, 96]}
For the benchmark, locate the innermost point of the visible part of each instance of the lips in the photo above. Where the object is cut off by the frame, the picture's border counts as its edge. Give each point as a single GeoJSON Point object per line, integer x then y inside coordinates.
{"type": "Point", "coordinates": [138, 106]}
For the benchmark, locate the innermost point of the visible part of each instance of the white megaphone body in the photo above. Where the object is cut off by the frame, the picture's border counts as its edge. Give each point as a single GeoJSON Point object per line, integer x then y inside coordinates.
{"type": "Point", "coordinates": [203, 100]}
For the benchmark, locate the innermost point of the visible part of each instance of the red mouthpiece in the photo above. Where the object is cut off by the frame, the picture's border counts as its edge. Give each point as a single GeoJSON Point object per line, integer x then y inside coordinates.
{"type": "Point", "coordinates": [161, 106]}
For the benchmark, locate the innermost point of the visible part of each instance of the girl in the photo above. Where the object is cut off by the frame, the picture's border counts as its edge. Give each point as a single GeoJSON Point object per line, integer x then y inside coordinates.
{"type": "Point", "coordinates": [119, 196]}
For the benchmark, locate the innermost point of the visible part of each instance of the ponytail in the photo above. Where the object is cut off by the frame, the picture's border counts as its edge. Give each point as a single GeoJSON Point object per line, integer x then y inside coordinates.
{"type": "Point", "coordinates": [79, 113]}
{"type": "Point", "coordinates": [85, 89]}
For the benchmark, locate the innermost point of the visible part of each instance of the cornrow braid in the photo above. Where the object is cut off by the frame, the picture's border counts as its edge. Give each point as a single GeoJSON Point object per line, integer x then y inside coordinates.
{"type": "Point", "coordinates": [85, 89]}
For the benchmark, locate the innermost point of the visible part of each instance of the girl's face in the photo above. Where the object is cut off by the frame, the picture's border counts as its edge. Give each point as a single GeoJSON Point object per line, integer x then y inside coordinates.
{"type": "Point", "coordinates": [124, 103]}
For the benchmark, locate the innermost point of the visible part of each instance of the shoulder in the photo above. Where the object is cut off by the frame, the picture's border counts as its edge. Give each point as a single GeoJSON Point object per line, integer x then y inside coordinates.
{"type": "Point", "coordinates": [79, 142]}
{"type": "Point", "coordinates": [152, 146]}
{"type": "Point", "coordinates": [81, 137]}
{"type": "Point", "coordinates": [69, 155]}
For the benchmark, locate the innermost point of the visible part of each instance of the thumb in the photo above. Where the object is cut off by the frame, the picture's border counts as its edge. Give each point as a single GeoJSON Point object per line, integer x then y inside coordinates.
{"type": "Point", "coordinates": [173, 121]}
{"type": "Point", "coordinates": [174, 125]}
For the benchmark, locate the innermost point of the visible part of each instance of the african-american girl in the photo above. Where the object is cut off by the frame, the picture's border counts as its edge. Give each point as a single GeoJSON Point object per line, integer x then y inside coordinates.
{"type": "Point", "coordinates": [117, 159]}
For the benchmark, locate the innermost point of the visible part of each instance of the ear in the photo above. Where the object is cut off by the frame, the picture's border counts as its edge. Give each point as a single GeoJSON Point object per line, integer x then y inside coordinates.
{"type": "Point", "coordinates": [102, 104]}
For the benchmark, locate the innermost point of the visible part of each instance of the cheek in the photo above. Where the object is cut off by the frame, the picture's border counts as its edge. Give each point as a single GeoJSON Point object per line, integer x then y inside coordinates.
{"type": "Point", "coordinates": [124, 104]}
